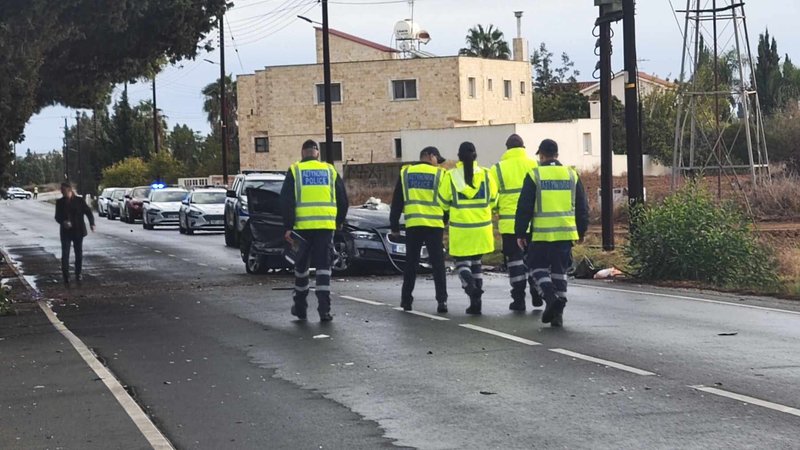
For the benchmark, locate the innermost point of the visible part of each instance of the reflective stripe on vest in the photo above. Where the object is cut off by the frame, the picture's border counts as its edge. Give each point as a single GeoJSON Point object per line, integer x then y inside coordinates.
{"type": "Point", "coordinates": [554, 218]}
{"type": "Point", "coordinates": [510, 173]}
{"type": "Point", "coordinates": [420, 184]}
{"type": "Point", "coordinates": [315, 195]}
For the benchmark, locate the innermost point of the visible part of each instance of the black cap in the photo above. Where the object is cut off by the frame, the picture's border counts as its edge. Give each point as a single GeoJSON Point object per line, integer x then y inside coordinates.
{"type": "Point", "coordinates": [310, 144]}
{"type": "Point", "coordinates": [66, 184]}
{"type": "Point", "coordinates": [548, 147]}
{"type": "Point", "coordinates": [428, 151]}
{"type": "Point", "coordinates": [514, 141]}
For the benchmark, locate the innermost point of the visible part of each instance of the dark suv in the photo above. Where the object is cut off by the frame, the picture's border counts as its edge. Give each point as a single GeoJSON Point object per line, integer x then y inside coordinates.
{"type": "Point", "coordinates": [132, 209]}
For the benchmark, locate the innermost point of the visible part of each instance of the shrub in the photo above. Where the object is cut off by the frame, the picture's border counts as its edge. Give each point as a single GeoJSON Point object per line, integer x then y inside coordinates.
{"type": "Point", "coordinates": [128, 172]}
{"type": "Point", "coordinates": [690, 237]}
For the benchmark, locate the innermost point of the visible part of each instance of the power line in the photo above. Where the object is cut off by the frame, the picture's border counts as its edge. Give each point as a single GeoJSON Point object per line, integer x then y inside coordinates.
{"type": "Point", "coordinates": [235, 47]}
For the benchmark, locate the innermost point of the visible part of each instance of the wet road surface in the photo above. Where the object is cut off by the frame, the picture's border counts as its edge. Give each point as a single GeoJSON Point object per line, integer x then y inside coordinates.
{"type": "Point", "coordinates": [214, 358]}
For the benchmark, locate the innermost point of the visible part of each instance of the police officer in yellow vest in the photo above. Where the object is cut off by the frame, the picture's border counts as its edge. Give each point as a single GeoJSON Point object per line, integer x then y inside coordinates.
{"type": "Point", "coordinates": [470, 195]}
{"type": "Point", "coordinates": [314, 205]}
{"type": "Point", "coordinates": [416, 195]}
{"type": "Point", "coordinates": [509, 175]}
{"type": "Point", "coordinates": [554, 201]}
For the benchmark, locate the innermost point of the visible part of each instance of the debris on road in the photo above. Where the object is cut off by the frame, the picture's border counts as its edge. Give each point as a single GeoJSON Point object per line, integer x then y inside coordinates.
{"type": "Point", "coordinates": [730, 333]}
{"type": "Point", "coordinates": [488, 393]}
{"type": "Point", "coordinates": [321, 336]}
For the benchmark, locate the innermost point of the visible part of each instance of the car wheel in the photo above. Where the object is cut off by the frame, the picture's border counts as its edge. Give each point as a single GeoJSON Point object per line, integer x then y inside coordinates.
{"type": "Point", "coordinates": [254, 264]}
{"type": "Point", "coordinates": [27, 197]}
{"type": "Point", "coordinates": [229, 238]}
{"type": "Point", "coordinates": [341, 260]}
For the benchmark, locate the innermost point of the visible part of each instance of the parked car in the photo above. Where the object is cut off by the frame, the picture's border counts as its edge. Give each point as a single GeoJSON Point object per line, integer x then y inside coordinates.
{"type": "Point", "coordinates": [364, 242]}
{"type": "Point", "coordinates": [134, 203]}
{"type": "Point", "coordinates": [236, 212]}
{"type": "Point", "coordinates": [114, 203]}
{"type": "Point", "coordinates": [202, 209]}
{"type": "Point", "coordinates": [162, 207]}
{"type": "Point", "coordinates": [15, 192]}
{"type": "Point", "coordinates": [103, 200]}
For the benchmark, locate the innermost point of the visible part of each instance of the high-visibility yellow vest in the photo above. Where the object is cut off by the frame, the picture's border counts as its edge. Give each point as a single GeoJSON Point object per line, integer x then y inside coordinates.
{"type": "Point", "coordinates": [554, 215]}
{"type": "Point", "coordinates": [509, 174]}
{"type": "Point", "coordinates": [315, 195]}
{"type": "Point", "coordinates": [471, 231]}
{"type": "Point", "coordinates": [420, 195]}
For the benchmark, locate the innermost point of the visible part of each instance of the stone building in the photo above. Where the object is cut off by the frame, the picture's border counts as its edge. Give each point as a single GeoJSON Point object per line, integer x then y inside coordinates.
{"type": "Point", "coordinates": [376, 94]}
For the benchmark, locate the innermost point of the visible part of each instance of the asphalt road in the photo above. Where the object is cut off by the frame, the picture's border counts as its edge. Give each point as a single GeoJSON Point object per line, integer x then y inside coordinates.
{"type": "Point", "coordinates": [216, 361]}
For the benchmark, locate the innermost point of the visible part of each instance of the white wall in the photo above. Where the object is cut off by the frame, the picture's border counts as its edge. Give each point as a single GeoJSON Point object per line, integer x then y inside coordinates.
{"type": "Point", "coordinates": [490, 142]}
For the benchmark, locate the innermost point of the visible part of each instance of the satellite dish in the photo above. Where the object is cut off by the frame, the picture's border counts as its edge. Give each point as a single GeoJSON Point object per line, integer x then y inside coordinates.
{"type": "Point", "coordinates": [423, 36]}
{"type": "Point", "coordinates": [404, 30]}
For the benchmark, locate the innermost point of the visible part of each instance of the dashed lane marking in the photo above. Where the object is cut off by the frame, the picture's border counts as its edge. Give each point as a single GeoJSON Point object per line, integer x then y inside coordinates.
{"type": "Point", "coordinates": [361, 300]}
{"type": "Point", "coordinates": [602, 362]}
{"type": "Point", "coordinates": [422, 314]}
{"type": "Point", "coordinates": [157, 251]}
{"type": "Point", "coordinates": [134, 411]}
{"type": "Point", "coordinates": [202, 264]}
{"type": "Point", "coordinates": [224, 268]}
{"type": "Point", "coordinates": [748, 399]}
{"type": "Point", "coordinates": [186, 260]}
{"type": "Point", "coordinates": [172, 256]}
{"type": "Point", "coordinates": [510, 337]}
{"type": "Point", "coordinates": [684, 297]}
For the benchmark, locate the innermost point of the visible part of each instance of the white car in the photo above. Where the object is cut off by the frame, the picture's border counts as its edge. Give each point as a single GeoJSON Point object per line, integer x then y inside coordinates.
{"type": "Point", "coordinates": [162, 207]}
{"type": "Point", "coordinates": [202, 209]}
{"type": "Point", "coordinates": [15, 192]}
{"type": "Point", "coordinates": [103, 201]}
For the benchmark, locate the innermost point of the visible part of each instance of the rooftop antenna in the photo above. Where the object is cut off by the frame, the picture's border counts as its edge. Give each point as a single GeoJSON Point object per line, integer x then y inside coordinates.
{"type": "Point", "coordinates": [712, 99]}
{"type": "Point", "coordinates": [409, 37]}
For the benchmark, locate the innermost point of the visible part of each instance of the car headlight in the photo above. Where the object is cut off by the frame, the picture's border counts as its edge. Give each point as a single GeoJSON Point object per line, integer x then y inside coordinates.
{"type": "Point", "coordinates": [195, 213]}
{"type": "Point", "coordinates": [365, 236]}
{"type": "Point", "coordinates": [154, 210]}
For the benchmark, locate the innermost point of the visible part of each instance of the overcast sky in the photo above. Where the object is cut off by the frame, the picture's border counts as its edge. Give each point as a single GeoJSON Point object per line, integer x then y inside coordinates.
{"type": "Point", "coordinates": [266, 33]}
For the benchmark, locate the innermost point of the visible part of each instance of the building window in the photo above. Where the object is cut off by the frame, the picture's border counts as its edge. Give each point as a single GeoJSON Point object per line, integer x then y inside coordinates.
{"type": "Point", "coordinates": [398, 148]}
{"type": "Point", "coordinates": [506, 89]}
{"type": "Point", "coordinates": [522, 88]}
{"type": "Point", "coordinates": [587, 143]}
{"type": "Point", "coordinates": [472, 87]}
{"type": "Point", "coordinates": [336, 148]}
{"type": "Point", "coordinates": [336, 93]}
{"type": "Point", "coordinates": [262, 145]}
{"type": "Point", "coordinates": [404, 89]}
{"type": "Point", "coordinates": [490, 85]}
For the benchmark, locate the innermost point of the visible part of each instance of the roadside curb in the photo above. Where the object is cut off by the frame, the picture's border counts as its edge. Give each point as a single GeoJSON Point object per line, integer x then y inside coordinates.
{"type": "Point", "coordinates": [141, 420]}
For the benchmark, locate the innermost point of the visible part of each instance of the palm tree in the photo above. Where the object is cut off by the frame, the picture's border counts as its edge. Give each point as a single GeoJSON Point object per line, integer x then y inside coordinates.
{"type": "Point", "coordinates": [212, 108]}
{"type": "Point", "coordinates": [486, 43]}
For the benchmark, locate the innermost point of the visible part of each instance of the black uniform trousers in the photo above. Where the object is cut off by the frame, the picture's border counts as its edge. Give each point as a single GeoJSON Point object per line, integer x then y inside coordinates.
{"type": "Point", "coordinates": [71, 240]}
{"type": "Point", "coordinates": [433, 239]}
{"type": "Point", "coordinates": [518, 274]}
{"type": "Point", "coordinates": [548, 263]}
{"type": "Point", "coordinates": [316, 251]}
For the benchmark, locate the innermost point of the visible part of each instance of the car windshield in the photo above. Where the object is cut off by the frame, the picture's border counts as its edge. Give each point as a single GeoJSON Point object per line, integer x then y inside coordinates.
{"type": "Point", "coordinates": [140, 193]}
{"type": "Point", "coordinates": [208, 198]}
{"type": "Point", "coordinates": [118, 195]}
{"type": "Point", "coordinates": [267, 185]}
{"type": "Point", "coordinates": [168, 196]}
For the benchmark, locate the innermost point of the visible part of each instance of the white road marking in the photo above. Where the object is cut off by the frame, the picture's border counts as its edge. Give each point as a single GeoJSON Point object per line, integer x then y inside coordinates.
{"type": "Point", "coordinates": [157, 251]}
{"type": "Point", "coordinates": [223, 268]}
{"type": "Point", "coordinates": [186, 260]}
{"type": "Point", "coordinates": [140, 419]}
{"type": "Point", "coordinates": [361, 300]}
{"type": "Point", "coordinates": [510, 337]}
{"type": "Point", "coordinates": [748, 399]}
{"type": "Point", "coordinates": [684, 297]}
{"type": "Point", "coordinates": [602, 362]}
{"type": "Point", "coordinates": [202, 264]}
{"type": "Point", "coordinates": [422, 314]}
{"type": "Point", "coordinates": [172, 256]}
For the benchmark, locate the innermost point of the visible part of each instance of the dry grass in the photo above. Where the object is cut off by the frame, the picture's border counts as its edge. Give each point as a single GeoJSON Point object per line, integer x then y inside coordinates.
{"type": "Point", "coordinates": [777, 199]}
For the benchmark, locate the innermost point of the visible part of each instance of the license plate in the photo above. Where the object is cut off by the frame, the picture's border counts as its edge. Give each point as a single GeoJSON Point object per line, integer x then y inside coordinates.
{"type": "Point", "coordinates": [216, 222]}
{"type": "Point", "coordinates": [400, 249]}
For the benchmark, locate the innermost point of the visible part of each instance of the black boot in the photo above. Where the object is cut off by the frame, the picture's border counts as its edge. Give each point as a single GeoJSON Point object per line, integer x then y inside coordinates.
{"type": "Point", "coordinates": [475, 303]}
{"type": "Point", "coordinates": [442, 308]}
{"type": "Point", "coordinates": [299, 312]}
{"type": "Point", "coordinates": [517, 305]}
{"type": "Point", "coordinates": [66, 278]}
{"type": "Point", "coordinates": [536, 299]}
{"type": "Point", "coordinates": [325, 317]}
{"type": "Point", "coordinates": [406, 304]}
{"type": "Point", "coordinates": [554, 307]}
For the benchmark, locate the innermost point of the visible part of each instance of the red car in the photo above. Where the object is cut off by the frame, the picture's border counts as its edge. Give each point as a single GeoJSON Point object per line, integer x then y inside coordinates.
{"type": "Point", "coordinates": [132, 210]}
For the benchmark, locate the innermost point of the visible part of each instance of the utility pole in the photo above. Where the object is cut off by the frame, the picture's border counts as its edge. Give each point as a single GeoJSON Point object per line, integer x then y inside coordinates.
{"type": "Point", "coordinates": [156, 145]}
{"type": "Point", "coordinates": [78, 143]}
{"type": "Point", "coordinates": [633, 130]}
{"type": "Point", "coordinates": [326, 69]}
{"type": "Point", "coordinates": [223, 101]}
{"type": "Point", "coordinates": [610, 11]}
{"type": "Point", "coordinates": [66, 151]}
